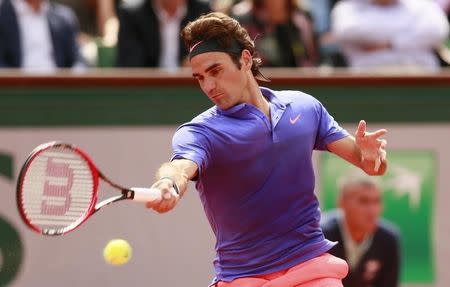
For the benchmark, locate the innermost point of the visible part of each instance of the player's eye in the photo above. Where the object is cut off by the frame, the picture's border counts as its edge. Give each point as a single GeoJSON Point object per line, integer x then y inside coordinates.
{"type": "Point", "coordinates": [214, 72]}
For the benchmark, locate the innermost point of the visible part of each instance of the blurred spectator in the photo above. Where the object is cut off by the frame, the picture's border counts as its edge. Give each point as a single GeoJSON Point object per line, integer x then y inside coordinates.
{"type": "Point", "coordinates": [223, 6]}
{"type": "Point", "coordinates": [98, 27]}
{"type": "Point", "coordinates": [389, 33]}
{"type": "Point", "coordinates": [38, 35]}
{"type": "Point", "coordinates": [284, 33]}
{"type": "Point", "coordinates": [92, 14]}
{"type": "Point", "coordinates": [370, 246]}
{"type": "Point", "coordinates": [444, 51]}
{"type": "Point", "coordinates": [321, 14]}
{"type": "Point", "coordinates": [445, 5]}
{"type": "Point", "coordinates": [149, 32]}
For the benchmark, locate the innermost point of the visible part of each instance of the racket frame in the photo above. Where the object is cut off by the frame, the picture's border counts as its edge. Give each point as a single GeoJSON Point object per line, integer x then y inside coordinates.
{"type": "Point", "coordinates": [23, 171]}
{"type": "Point", "coordinates": [145, 194]}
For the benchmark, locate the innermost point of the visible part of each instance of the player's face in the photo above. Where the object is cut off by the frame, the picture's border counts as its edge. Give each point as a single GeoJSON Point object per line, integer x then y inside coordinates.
{"type": "Point", "coordinates": [362, 206]}
{"type": "Point", "coordinates": [220, 78]}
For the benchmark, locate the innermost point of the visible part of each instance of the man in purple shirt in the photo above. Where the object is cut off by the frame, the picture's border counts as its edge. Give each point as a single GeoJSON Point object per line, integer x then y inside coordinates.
{"type": "Point", "coordinates": [250, 156]}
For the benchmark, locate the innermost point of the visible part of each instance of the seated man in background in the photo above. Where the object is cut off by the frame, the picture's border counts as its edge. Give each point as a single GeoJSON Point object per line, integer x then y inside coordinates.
{"type": "Point", "coordinates": [149, 32]}
{"type": "Point", "coordinates": [377, 34]}
{"type": "Point", "coordinates": [370, 246]}
{"type": "Point", "coordinates": [37, 35]}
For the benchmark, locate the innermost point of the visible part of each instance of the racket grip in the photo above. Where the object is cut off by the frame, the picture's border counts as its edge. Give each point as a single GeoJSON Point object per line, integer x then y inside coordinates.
{"type": "Point", "coordinates": [146, 194]}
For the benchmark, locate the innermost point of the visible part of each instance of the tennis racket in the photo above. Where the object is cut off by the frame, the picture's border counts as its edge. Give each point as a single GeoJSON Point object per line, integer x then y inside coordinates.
{"type": "Point", "coordinates": [57, 189]}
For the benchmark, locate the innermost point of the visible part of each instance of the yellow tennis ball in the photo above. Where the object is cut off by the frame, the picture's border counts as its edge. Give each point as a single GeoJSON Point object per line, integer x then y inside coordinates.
{"type": "Point", "coordinates": [117, 252]}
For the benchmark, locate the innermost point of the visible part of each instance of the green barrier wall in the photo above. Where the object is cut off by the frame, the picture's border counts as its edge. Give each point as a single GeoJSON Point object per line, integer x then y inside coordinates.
{"type": "Point", "coordinates": [116, 100]}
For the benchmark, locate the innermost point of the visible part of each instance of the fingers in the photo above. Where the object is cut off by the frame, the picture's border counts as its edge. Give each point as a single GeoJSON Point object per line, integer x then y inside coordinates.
{"type": "Point", "coordinates": [167, 203]}
{"type": "Point", "coordinates": [378, 133]}
{"type": "Point", "coordinates": [377, 164]}
{"type": "Point", "coordinates": [169, 197]}
{"type": "Point", "coordinates": [361, 130]}
{"type": "Point", "coordinates": [383, 155]}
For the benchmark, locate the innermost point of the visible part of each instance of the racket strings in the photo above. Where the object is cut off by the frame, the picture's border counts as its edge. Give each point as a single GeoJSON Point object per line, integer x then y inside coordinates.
{"type": "Point", "coordinates": [57, 189]}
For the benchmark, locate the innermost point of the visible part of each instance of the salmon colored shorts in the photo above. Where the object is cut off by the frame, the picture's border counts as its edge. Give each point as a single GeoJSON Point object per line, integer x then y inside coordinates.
{"type": "Point", "coordinates": [323, 271]}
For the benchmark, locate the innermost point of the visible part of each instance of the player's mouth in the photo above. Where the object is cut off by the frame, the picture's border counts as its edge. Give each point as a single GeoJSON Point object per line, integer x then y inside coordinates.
{"type": "Point", "coordinates": [216, 96]}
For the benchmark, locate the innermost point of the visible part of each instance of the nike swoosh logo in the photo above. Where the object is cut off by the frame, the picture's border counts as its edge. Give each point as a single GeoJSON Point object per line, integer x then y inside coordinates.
{"type": "Point", "coordinates": [294, 120]}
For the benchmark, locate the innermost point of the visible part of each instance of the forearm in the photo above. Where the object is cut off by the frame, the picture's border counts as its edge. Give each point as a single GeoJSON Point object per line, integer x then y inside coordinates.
{"type": "Point", "coordinates": [179, 171]}
{"type": "Point", "coordinates": [172, 180]}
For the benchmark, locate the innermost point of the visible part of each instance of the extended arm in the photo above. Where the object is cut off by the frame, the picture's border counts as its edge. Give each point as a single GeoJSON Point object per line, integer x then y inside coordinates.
{"type": "Point", "coordinates": [177, 172]}
{"type": "Point", "coordinates": [366, 150]}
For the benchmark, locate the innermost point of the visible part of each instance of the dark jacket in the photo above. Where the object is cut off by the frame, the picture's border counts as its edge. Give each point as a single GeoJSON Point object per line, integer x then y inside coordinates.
{"type": "Point", "coordinates": [379, 266]}
{"type": "Point", "coordinates": [139, 43]}
{"type": "Point", "coordinates": [63, 29]}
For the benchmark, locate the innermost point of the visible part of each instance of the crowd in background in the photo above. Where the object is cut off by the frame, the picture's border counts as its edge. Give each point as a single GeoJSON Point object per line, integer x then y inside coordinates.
{"type": "Point", "coordinates": [359, 34]}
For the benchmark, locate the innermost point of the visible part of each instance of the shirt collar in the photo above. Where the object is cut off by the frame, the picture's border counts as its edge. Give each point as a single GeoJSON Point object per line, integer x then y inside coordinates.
{"type": "Point", "coordinates": [275, 98]}
{"type": "Point", "coordinates": [272, 96]}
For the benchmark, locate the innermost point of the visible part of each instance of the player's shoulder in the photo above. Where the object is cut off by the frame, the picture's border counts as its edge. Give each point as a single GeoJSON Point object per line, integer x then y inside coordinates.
{"type": "Point", "coordinates": [203, 120]}
{"type": "Point", "coordinates": [208, 116]}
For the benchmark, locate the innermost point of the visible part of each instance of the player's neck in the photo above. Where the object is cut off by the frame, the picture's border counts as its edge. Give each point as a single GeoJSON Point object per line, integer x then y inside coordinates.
{"type": "Point", "coordinates": [256, 97]}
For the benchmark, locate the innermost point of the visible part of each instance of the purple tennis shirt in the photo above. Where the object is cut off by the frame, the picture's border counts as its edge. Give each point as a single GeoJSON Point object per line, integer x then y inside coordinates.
{"type": "Point", "coordinates": [256, 180]}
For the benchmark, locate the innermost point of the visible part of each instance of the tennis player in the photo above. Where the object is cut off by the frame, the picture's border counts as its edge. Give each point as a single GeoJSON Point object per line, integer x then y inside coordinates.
{"type": "Point", "coordinates": [250, 156]}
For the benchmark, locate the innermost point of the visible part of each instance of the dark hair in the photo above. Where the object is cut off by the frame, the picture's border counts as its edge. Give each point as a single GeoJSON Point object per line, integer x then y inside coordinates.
{"type": "Point", "coordinates": [223, 29]}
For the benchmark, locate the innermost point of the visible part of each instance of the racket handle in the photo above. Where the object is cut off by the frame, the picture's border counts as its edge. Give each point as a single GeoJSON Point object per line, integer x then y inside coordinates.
{"type": "Point", "coordinates": [146, 194]}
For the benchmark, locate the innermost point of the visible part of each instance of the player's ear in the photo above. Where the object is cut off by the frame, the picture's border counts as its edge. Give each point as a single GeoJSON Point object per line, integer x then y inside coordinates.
{"type": "Point", "coordinates": [246, 59]}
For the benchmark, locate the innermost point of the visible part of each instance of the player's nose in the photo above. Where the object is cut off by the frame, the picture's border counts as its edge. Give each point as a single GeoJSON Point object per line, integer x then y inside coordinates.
{"type": "Point", "coordinates": [209, 85]}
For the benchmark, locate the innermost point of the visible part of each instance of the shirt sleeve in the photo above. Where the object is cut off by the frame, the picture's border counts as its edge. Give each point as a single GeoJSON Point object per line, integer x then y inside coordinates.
{"type": "Point", "coordinates": [328, 129]}
{"type": "Point", "coordinates": [190, 141]}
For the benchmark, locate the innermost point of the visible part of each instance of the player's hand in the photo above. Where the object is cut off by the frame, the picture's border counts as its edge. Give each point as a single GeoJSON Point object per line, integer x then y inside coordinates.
{"type": "Point", "coordinates": [169, 197]}
{"type": "Point", "coordinates": [372, 146]}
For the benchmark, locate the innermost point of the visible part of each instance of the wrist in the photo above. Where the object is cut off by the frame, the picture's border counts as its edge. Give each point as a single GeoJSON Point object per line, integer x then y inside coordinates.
{"type": "Point", "coordinates": [174, 184]}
